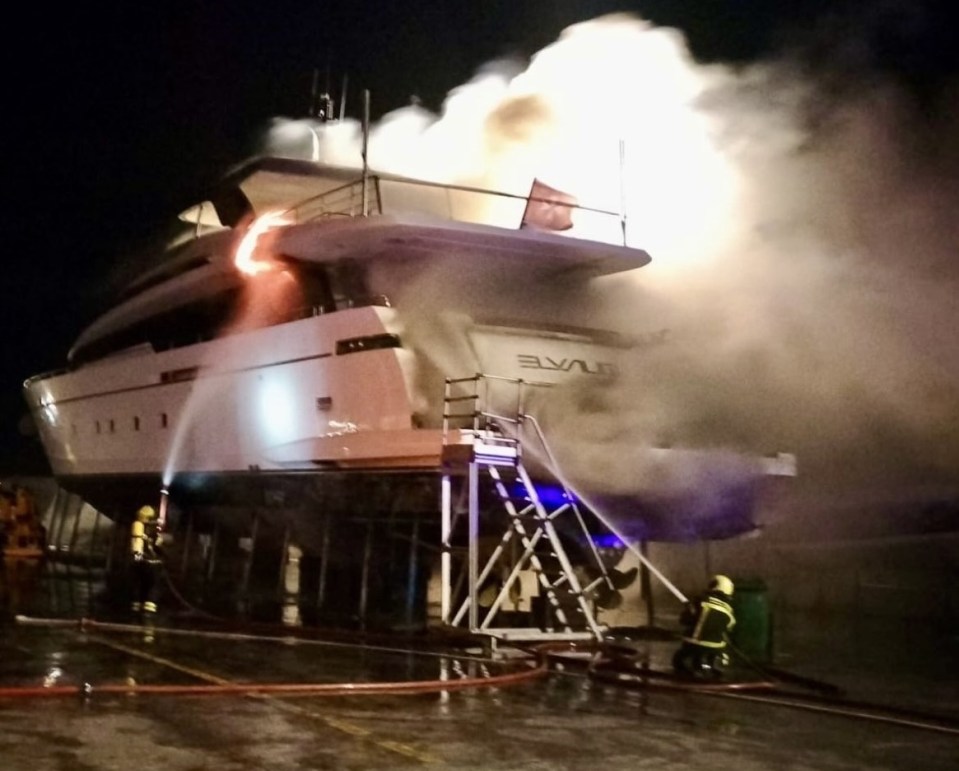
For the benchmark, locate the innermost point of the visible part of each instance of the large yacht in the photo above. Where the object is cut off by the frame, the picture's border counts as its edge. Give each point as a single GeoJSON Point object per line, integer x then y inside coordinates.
{"type": "Point", "coordinates": [319, 337]}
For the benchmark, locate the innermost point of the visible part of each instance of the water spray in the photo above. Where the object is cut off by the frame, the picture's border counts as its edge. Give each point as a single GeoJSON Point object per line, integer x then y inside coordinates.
{"type": "Point", "coordinates": [555, 468]}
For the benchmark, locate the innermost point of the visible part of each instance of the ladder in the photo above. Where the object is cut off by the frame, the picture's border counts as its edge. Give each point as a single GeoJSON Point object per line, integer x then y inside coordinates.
{"type": "Point", "coordinates": [483, 458]}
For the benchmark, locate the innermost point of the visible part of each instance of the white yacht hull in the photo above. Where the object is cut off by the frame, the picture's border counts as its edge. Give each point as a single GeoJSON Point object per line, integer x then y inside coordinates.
{"type": "Point", "coordinates": [227, 423]}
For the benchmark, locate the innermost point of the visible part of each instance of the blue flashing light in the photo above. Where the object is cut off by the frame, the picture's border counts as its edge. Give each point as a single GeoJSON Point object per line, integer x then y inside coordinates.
{"type": "Point", "coordinates": [549, 495]}
{"type": "Point", "coordinates": [606, 541]}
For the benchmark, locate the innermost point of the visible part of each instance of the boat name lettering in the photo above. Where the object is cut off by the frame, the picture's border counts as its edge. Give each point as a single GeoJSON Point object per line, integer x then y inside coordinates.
{"type": "Point", "coordinates": [531, 361]}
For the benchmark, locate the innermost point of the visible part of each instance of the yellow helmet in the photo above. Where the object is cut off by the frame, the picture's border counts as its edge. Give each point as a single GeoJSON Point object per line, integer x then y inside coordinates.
{"type": "Point", "coordinates": [721, 584]}
{"type": "Point", "coordinates": [146, 513]}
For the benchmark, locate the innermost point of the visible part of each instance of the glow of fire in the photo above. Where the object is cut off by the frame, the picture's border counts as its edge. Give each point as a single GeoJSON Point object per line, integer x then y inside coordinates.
{"type": "Point", "coordinates": [245, 260]}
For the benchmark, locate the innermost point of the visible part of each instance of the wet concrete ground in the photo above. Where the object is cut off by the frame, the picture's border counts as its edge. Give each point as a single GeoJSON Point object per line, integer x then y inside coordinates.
{"type": "Point", "coordinates": [564, 721]}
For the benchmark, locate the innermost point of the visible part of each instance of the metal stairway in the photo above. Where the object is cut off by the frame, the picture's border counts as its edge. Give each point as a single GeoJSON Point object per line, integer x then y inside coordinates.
{"type": "Point", "coordinates": [512, 540]}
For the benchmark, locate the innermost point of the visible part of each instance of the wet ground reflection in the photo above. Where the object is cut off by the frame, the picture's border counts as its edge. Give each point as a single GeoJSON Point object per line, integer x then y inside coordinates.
{"type": "Point", "coordinates": [564, 721]}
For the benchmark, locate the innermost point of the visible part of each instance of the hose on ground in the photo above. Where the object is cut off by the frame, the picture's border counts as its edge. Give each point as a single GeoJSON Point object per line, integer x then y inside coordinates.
{"type": "Point", "coordinates": [222, 687]}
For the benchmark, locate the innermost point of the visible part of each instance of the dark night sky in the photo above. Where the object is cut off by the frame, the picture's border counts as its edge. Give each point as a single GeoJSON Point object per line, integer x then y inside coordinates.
{"type": "Point", "coordinates": [118, 113]}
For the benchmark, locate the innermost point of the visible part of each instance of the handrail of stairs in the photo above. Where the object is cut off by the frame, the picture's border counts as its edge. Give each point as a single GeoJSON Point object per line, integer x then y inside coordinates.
{"type": "Point", "coordinates": [557, 471]}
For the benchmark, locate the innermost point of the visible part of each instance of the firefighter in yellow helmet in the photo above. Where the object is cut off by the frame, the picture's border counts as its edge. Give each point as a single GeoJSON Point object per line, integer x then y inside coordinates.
{"type": "Point", "coordinates": [144, 536]}
{"type": "Point", "coordinates": [706, 622]}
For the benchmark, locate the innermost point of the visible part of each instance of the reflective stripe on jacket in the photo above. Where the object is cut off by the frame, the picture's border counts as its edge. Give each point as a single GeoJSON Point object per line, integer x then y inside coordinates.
{"type": "Point", "coordinates": [713, 619]}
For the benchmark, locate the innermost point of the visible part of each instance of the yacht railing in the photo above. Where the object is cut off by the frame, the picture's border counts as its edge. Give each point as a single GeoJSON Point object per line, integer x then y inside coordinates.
{"type": "Point", "coordinates": [400, 195]}
{"type": "Point", "coordinates": [343, 201]}
{"type": "Point", "coordinates": [306, 311]}
{"type": "Point", "coordinates": [491, 407]}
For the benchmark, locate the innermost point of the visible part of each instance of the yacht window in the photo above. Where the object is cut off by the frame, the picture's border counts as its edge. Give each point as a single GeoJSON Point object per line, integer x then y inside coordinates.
{"type": "Point", "coordinates": [201, 320]}
{"type": "Point", "coordinates": [368, 343]}
{"type": "Point", "coordinates": [179, 375]}
{"type": "Point", "coordinates": [161, 276]}
{"type": "Point", "coordinates": [349, 285]}
{"type": "Point", "coordinates": [317, 294]}
{"type": "Point", "coordinates": [320, 288]}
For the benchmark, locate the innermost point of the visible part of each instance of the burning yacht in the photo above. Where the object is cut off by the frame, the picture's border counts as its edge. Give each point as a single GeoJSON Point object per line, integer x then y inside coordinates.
{"type": "Point", "coordinates": [331, 353]}
{"type": "Point", "coordinates": [293, 359]}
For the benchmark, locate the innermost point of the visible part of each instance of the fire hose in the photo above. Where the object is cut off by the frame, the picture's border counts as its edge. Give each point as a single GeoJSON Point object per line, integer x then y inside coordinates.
{"type": "Point", "coordinates": [220, 686]}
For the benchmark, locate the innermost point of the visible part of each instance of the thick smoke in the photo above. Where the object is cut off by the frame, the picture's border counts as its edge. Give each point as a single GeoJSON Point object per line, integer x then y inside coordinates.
{"type": "Point", "coordinates": [804, 251]}
{"type": "Point", "coordinates": [821, 322]}
{"type": "Point", "coordinates": [819, 317]}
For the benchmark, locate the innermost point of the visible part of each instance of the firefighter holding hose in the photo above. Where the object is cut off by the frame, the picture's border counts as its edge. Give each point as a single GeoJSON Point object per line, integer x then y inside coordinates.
{"type": "Point", "coordinates": [144, 551]}
{"type": "Point", "coordinates": [706, 622]}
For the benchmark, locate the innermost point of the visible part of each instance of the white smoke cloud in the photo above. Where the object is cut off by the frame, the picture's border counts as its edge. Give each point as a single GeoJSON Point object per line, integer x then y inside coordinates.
{"type": "Point", "coordinates": [804, 252]}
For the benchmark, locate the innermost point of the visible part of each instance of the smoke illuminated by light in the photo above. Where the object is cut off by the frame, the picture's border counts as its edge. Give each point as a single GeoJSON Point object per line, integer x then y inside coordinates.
{"type": "Point", "coordinates": [608, 113]}
{"type": "Point", "coordinates": [803, 254]}
{"type": "Point", "coordinates": [637, 85]}
{"type": "Point", "coordinates": [246, 260]}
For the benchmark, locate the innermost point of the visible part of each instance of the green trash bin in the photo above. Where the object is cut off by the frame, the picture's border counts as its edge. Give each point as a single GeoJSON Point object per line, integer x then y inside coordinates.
{"type": "Point", "coordinates": [753, 633]}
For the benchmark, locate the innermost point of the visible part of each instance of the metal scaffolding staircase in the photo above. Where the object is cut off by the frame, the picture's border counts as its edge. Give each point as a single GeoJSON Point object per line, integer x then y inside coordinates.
{"type": "Point", "coordinates": [512, 546]}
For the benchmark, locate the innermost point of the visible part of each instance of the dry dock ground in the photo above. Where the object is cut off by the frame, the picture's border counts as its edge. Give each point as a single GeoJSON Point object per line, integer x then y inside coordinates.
{"type": "Point", "coordinates": [105, 696]}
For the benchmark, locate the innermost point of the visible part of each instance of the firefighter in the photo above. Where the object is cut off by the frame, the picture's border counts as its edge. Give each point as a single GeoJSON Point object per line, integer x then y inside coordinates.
{"type": "Point", "coordinates": [144, 549]}
{"type": "Point", "coordinates": [8, 515]}
{"type": "Point", "coordinates": [706, 622]}
{"type": "Point", "coordinates": [22, 546]}
{"type": "Point", "coordinates": [27, 533]}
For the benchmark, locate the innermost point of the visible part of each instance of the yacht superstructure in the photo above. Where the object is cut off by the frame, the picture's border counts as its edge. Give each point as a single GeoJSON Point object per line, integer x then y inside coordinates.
{"type": "Point", "coordinates": [336, 357]}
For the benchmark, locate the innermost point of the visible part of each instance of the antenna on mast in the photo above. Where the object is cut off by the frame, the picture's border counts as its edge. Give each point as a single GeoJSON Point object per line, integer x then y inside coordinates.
{"type": "Point", "coordinates": [622, 188]}
{"type": "Point", "coordinates": [366, 142]}
{"type": "Point", "coordinates": [321, 103]}
{"type": "Point", "coordinates": [314, 94]}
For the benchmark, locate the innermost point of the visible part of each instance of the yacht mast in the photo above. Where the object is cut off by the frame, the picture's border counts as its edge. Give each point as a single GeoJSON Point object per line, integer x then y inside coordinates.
{"type": "Point", "coordinates": [366, 140]}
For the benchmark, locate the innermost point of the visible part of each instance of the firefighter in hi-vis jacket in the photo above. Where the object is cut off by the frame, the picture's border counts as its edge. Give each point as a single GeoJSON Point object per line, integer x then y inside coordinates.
{"type": "Point", "coordinates": [144, 537]}
{"type": "Point", "coordinates": [706, 622]}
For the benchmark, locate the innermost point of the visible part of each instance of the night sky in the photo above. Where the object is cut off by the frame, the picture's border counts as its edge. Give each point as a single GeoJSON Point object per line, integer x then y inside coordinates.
{"type": "Point", "coordinates": [118, 114]}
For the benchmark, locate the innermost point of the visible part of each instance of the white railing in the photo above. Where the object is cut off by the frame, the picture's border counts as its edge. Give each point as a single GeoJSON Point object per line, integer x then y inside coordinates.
{"type": "Point", "coordinates": [388, 194]}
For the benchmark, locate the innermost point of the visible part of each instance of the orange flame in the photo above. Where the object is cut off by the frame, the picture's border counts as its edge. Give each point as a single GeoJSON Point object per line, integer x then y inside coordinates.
{"type": "Point", "coordinates": [245, 260]}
